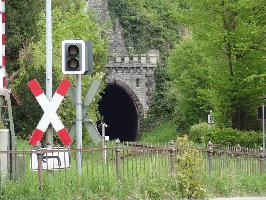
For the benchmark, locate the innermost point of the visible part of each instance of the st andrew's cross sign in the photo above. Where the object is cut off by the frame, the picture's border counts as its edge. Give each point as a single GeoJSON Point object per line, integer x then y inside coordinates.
{"type": "Point", "coordinates": [49, 108]}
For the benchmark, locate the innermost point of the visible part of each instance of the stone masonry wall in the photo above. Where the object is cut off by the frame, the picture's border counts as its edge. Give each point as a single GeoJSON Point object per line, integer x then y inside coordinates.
{"type": "Point", "coordinates": [134, 71]}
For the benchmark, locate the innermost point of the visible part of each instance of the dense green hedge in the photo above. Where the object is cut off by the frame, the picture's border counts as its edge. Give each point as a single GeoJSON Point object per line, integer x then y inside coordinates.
{"type": "Point", "coordinates": [202, 133]}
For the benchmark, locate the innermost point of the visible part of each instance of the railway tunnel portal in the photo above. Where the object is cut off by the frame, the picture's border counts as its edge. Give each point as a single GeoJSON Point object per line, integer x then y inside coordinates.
{"type": "Point", "coordinates": [129, 78]}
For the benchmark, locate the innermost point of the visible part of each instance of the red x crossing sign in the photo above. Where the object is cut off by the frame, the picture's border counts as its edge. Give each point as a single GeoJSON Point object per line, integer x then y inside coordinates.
{"type": "Point", "coordinates": [49, 108]}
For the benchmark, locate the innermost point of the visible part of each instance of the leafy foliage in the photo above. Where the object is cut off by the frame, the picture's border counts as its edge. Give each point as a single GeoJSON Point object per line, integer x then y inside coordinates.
{"type": "Point", "coordinates": [21, 17]}
{"type": "Point", "coordinates": [147, 24]}
{"type": "Point", "coordinates": [160, 108]}
{"type": "Point", "coordinates": [188, 84]}
{"type": "Point", "coordinates": [150, 25]}
{"type": "Point", "coordinates": [68, 23]}
{"type": "Point", "coordinates": [201, 133]}
{"type": "Point", "coordinates": [231, 36]}
{"type": "Point", "coordinates": [188, 171]}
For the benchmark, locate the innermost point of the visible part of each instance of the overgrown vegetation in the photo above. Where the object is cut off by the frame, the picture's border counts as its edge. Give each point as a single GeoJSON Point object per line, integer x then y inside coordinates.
{"type": "Point", "coordinates": [148, 24]}
{"type": "Point", "coordinates": [188, 85]}
{"type": "Point", "coordinates": [212, 69]}
{"type": "Point", "coordinates": [219, 65]}
{"type": "Point", "coordinates": [234, 184]}
{"type": "Point", "coordinates": [143, 176]}
{"type": "Point", "coordinates": [159, 101]}
{"type": "Point", "coordinates": [188, 170]}
{"type": "Point", "coordinates": [69, 22]}
{"type": "Point", "coordinates": [202, 133]}
{"type": "Point", "coordinates": [151, 180]}
{"type": "Point", "coordinates": [159, 188]}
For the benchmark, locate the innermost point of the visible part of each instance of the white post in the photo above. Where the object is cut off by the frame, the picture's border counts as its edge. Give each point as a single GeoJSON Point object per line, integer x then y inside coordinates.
{"type": "Point", "coordinates": [210, 119]}
{"type": "Point", "coordinates": [49, 63]}
{"type": "Point", "coordinates": [4, 157]}
{"type": "Point", "coordinates": [263, 126]}
{"type": "Point", "coordinates": [79, 122]}
{"type": "Point", "coordinates": [103, 142]}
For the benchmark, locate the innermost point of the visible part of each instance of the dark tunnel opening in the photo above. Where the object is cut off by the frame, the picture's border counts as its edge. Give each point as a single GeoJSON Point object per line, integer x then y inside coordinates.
{"type": "Point", "coordinates": [119, 113]}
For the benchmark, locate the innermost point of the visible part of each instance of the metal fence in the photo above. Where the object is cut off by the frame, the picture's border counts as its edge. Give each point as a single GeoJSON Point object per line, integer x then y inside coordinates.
{"type": "Point", "coordinates": [119, 161]}
{"type": "Point", "coordinates": [233, 159]}
{"type": "Point", "coordinates": [57, 166]}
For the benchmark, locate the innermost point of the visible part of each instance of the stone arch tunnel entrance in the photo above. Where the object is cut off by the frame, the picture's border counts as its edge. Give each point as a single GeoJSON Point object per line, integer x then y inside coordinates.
{"type": "Point", "coordinates": [120, 113]}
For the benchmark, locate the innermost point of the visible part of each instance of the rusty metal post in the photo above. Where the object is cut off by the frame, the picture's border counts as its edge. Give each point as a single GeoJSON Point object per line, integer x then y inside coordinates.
{"type": "Point", "coordinates": [118, 158]}
{"type": "Point", "coordinates": [210, 156]}
{"type": "Point", "coordinates": [238, 152]}
{"type": "Point", "coordinates": [262, 162]}
{"type": "Point", "coordinates": [172, 156]}
{"type": "Point", "coordinates": [40, 158]}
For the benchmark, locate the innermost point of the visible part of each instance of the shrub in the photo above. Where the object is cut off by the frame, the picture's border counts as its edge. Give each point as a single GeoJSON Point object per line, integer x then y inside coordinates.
{"type": "Point", "coordinates": [188, 170]}
{"type": "Point", "coordinates": [198, 132]}
{"type": "Point", "coordinates": [202, 133]}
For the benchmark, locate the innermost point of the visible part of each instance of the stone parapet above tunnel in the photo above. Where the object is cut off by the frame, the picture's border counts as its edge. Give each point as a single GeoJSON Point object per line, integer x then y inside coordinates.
{"type": "Point", "coordinates": [151, 58]}
{"type": "Point", "coordinates": [130, 76]}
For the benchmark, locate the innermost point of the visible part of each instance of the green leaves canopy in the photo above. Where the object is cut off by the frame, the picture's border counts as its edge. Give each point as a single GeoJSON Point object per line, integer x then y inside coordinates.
{"type": "Point", "coordinates": [231, 34]}
{"type": "Point", "coordinates": [67, 24]}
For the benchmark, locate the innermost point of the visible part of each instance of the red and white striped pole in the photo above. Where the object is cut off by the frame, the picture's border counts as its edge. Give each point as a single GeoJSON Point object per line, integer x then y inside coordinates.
{"type": "Point", "coordinates": [3, 81]}
{"type": "Point", "coordinates": [49, 108]}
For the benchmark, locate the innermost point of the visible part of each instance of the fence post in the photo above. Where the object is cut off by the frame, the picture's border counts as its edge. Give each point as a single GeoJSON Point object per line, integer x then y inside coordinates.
{"type": "Point", "coordinates": [238, 152]}
{"type": "Point", "coordinates": [172, 156]}
{"type": "Point", "coordinates": [20, 167]}
{"type": "Point", "coordinates": [261, 161]}
{"type": "Point", "coordinates": [40, 158]}
{"type": "Point", "coordinates": [210, 156]}
{"type": "Point", "coordinates": [118, 158]}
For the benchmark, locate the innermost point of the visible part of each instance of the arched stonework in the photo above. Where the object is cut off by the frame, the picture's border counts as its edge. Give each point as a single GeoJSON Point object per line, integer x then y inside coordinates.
{"type": "Point", "coordinates": [137, 71]}
{"type": "Point", "coordinates": [132, 72]}
{"type": "Point", "coordinates": [135, 99]}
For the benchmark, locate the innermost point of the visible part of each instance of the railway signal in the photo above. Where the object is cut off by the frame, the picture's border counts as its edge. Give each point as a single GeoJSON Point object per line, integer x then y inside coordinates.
{"type": "Point", "coordinates": [77, 57]}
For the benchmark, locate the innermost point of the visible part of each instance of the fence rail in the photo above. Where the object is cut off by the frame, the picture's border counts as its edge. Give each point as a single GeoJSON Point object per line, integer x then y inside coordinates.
{"type": "Point", "coordinates": [122, 161]}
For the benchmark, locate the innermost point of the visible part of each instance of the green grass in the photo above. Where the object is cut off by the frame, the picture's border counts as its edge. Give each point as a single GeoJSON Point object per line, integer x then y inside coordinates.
{"type": "Point", "coordinates": [159, 188]}
{"type": "Point", "coordinates": [231, 177]}
{"type": "Point", "coordinates": [232, 184]}
{"type": "Point", "coordinates": [99, 180]}
{"type": "Point", "coordinates": [139, 181]}
{"type": "Point", "coordinates": [162, 133]}
{"type": "Point", "coordinates": [143, 176]}
{"type": "Point", "coordinates": [22, 144]}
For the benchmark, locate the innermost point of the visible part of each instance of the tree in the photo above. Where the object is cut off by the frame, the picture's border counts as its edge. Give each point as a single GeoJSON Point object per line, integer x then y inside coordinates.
{"type": "Point", "coordinates": [67, 24]}
{"type": "Point", "coordinates": [22, 17]}
{"type": "Point", "coordinates": [231, 34]}
{"type": "Point", "coordinates": [188, 84]}
{"type": "Point", "coordinates": [21, 22]}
